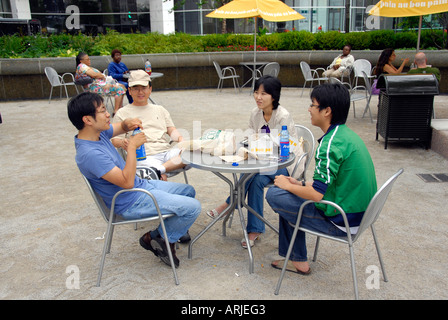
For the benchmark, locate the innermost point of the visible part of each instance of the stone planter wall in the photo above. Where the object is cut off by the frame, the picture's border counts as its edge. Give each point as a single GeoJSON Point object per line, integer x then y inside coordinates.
{"type": "Point", "coordinates": [25, 78]}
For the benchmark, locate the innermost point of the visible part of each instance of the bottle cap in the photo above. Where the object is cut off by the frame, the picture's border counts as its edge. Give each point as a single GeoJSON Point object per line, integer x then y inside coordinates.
{"type": "Point", "coordinates": [284, 127]}
{"type": "Point", "coordinates": [235, 164]}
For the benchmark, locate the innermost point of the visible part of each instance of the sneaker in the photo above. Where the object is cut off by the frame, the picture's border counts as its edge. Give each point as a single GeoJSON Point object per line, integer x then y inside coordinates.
{"type": "Point", "coordinates": [159, 245]}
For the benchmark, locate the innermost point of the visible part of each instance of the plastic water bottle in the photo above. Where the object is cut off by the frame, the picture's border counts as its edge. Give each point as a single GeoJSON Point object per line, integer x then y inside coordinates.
{"type": "Point", "coordinates": [140, 151]}
{"type": "Point", "coordinates": [148, 68]}
{"type": "Point", "coordinates": [284, 143]}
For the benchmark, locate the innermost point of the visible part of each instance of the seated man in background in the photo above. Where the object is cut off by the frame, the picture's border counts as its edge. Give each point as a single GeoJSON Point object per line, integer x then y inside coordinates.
{"type": "Point", "coordinates": [156, 124]}
{"type": "Point", "coordinates": [341, 64]}
{"type": "Point", "coordinates": [108, 173]}
{"type": "Point", "coordinates": [344, 174]}
{"type": "Point", "coordinates": [420, 61]}
{"type": "Point", "coordinates": [119, 71]}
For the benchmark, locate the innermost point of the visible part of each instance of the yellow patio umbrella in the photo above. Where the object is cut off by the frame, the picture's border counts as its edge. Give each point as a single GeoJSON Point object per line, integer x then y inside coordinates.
{"type": "Point", "coordinates": [270, 10]}
{"type": "Point", "coordinates": [409, 8]}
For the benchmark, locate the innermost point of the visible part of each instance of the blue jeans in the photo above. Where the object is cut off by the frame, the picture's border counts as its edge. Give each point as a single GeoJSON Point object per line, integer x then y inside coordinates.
{"type": "Point", "coordinates": [255, 198]}
{"type": "Point", "coordinates": [128, 95]}
{"type": "Point", "coordinates": [287, 205]}
{"type": "Point", "coordinates": [177, 198]}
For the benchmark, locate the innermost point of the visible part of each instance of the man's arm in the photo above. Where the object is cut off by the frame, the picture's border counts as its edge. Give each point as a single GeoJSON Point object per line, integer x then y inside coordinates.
{"type": "Point", "coordinates": [125, 126]}
{"type": "Point", "coordinates": [125, 178]}
{"type": "Point", "coordinates": [174, 134]}
{"type": "Point", "coordinates": [295, 187]}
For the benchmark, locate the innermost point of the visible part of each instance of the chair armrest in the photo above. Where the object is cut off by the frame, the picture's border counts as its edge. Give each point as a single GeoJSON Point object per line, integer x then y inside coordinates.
{"type": "Point", "coordinates": [111, 216]}
{"type": "Point", "coordinates": [230, 69]}
{"type": "Point", "coordinates": [334, 205]}
{"type": "Point", "coordinates": [316, 72]}
{"type": "Point", "coordinates": [67, 74]}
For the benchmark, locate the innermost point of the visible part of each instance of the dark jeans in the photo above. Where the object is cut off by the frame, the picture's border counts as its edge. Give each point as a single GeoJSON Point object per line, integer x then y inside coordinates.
{"type": "Point", "coordinates": [287, 205]}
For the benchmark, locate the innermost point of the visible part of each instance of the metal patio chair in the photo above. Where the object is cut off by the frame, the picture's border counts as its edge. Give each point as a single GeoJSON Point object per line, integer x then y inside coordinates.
{"type": "Point", "coordinates": [112, 219]}
{"type": "Point", "coordinates": [370, 216]}
{"type": "Point", "coordinates": [311, 74]}
{"type": "Point", "coordinates": [58, 81]}
{"type": "Point", "coordinates": [224, 74]}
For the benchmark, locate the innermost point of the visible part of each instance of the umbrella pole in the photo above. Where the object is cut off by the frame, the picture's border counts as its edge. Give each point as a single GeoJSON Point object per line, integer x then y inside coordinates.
{"type": "Point", "coordinates": [254, 73]}
{"type": "Point", "coordinates": [419, 32]}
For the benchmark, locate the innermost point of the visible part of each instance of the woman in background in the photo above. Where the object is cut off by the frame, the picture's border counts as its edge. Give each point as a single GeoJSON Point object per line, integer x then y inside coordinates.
{"type": "Point", "coordinates": [384, 64]}
{"type": "Point", "coordinates": [99, 84]}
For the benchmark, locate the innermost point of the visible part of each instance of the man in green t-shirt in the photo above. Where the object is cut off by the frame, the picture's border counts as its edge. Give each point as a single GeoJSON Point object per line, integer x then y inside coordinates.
{"type": "Point", "coordinates": [344, 174]}
{"type": "Point", "coordinates": [420, 60]}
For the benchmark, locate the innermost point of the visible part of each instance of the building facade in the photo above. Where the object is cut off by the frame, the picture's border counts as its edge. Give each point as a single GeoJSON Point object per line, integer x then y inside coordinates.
{"type": "Point", "coordinates": [168, 16]}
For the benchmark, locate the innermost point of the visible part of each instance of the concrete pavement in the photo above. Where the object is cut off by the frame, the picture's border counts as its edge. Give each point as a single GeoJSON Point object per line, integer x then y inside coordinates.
{"type": "Point", "coordinates": [51, 230]}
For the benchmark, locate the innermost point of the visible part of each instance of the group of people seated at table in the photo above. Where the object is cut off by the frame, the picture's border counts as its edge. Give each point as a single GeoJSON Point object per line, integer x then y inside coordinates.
{"type": "Point", "coordinates": [340, 150]}
{"type": "Point", "coordinates": [342, 65]}
{"type": "Point", "coordinates": [342, 159]}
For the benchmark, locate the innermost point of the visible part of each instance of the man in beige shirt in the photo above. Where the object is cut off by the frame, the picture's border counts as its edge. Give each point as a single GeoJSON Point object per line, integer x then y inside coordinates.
{"type": "Point", "coordinates": [157, 126]}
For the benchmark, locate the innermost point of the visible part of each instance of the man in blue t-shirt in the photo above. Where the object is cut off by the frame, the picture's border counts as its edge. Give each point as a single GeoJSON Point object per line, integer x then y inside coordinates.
{"type": "Point", "coordinates": [108, 173]}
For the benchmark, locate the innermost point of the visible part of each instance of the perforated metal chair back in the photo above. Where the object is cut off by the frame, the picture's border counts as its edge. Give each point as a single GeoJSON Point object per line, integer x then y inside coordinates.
{"type": "Point", "coordinates": [52, 76]}
{"type": "Point", "coordinates": [361, 65]}
{"type": "Point", "coordinates": [306, 71]}
{"type": "Point", "coordinates": [376, 204]}
{"type": "Point", "coordinates": [271, 69]}
{"type": "Point", "coordinates": [309, 145]}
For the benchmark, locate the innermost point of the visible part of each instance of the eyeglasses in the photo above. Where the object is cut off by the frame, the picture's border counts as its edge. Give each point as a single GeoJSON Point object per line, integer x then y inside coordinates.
{"type": "Point", "coordinates": [314, 105]}
{"type": "Point", "coordinates": [265, 129]}
{"type": "Point", "coordinates": [100, 110]}
{"type": "Point", "coordinates": [139, 88]}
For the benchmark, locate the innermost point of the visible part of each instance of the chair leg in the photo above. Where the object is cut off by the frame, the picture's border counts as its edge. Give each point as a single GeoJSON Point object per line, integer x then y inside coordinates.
{"type": "Point", "coordinates": [316, 248]}
{"type": "Point", "coordinates": [66, 92]}
{"type": "Point", "coordinates": [368, 108]}
{"type": "Point", "coordinates": [303, 88]}
{"type": "Point", "coordinates": [170, 255]}
{"type": "Point", "coordinates": [355, 282]}
{"type": "Point", "coordinates": [219, 85]}
{"type": "Point", "coordinates": [185, 177]}
{"type": "Point", "coordinates": [291, 245]}
{"type": "Point", "coordinates": [383, 269]}
{"type": "Point", "coordinates": [106, 250]}
{"type": "Point", "coordinates": [51, 93]}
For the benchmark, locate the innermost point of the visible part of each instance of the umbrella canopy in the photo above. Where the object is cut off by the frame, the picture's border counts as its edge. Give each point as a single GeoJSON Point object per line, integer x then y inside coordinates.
{"type": "Point", "coordinates": [270, 10]}
{"type": "Point", "coordinates": [409, 8]}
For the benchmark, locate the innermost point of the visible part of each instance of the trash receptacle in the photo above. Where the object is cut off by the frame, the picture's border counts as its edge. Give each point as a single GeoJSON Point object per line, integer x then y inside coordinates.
{"type": "Point", "coordinates": [405, 107]}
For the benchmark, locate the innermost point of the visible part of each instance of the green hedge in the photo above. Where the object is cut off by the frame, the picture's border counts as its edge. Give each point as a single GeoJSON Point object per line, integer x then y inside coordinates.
{"type": "Point", "coordinates": [65, 45]}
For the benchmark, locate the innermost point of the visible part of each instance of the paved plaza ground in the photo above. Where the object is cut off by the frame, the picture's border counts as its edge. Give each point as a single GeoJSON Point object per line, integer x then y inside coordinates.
{"type": "Point", "coordinates": [49, 223]}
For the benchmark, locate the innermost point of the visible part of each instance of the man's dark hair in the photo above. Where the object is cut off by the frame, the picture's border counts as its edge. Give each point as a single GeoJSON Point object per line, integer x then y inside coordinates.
{"type": "Point", "coordinates": [83, 104]}
{"type": "Point", "coordinates": [335, 96]}
{"type": "Point", "coordinates": [272, 86]}
{"type": "Point", "coordinates": [112, 54]}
